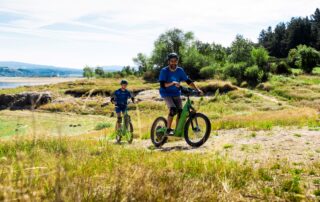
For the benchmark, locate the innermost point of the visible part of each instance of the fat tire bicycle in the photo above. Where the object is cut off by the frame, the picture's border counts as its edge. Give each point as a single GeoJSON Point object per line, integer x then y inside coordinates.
{"type": "Point", "coordinates": [191, 125]}
{"type": "Point", "coordinates": [126, 129]}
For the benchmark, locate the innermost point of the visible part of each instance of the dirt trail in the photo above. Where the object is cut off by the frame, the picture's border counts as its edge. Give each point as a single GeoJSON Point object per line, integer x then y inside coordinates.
{"type": "Point", "coordinates": [294, 144]}
{"type": "Point", "coordinates": [268, 97]}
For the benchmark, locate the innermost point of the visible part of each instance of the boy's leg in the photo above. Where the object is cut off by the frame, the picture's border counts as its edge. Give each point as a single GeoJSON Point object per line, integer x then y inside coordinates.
{"type": "Point", "coordinates": [118, 111]}
{"type": "Point", "coordinates": [119, 119]}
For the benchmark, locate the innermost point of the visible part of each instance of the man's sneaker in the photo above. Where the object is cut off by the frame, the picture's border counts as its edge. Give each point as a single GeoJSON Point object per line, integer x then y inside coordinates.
{"type": "Point", "coordinates": [170, 132]}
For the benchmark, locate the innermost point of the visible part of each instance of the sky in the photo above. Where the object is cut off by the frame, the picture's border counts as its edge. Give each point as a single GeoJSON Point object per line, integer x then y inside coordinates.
{"type": "Point", "coordinates": [75, 33]}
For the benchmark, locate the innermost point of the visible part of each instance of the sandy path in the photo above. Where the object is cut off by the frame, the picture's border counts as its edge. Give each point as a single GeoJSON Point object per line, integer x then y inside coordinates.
{"type": "Point", "coordinates": [295, 145]}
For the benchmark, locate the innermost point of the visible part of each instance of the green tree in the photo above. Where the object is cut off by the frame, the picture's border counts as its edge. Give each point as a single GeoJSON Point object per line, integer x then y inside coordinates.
{"type": "Point", "coordinates": [193, 61]}
{"type": "Point", "coordinates": [88, 72]}
{"type": "Point", "coordinates": [260, 56]}
{"type": "Point", "coordinates": [99, 72]}
{"type": "Point", "coordinates": [315, 27]}
{"type": "Point", "coordinates": [241, 50]}
{"type": "Point", "coordinates": [173, 40]}
{"type": "Point", "coordinates": [307, 58]}
{"type": "Point", "coordinates": [143, 63]}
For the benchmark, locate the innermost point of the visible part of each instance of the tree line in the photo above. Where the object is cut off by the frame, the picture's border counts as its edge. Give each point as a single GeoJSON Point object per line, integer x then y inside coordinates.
{"type": "Point", "coordinates": [286, 36]}
{"type": "Point", "coordinates": [244, 62]}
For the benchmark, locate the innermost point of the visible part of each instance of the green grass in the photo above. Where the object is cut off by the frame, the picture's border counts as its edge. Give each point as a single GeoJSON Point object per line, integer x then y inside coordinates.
{"type": "Point", "coordinates": [27, 122]}
{"type": "Point", "coordinates": [228, 146]}
{"type": "Point", "coordinates": [68, 168]}
{"type": "Point", "coordinates": [103, 125]}
{"type": "Point", "coordinates": [316, 71]}
{"type": "Point", "coordinates": [297, 135]}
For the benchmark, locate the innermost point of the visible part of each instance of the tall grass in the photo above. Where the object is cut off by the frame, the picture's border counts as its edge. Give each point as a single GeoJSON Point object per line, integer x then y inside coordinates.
{"type": "Point", "coordinates": [68, 169]}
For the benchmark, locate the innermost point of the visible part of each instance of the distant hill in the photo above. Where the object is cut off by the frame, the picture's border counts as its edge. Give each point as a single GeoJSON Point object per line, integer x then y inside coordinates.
{"type": "Point", "coordinates": [19, 69]}
{"type": "Point", "coordinates": [112, 68]}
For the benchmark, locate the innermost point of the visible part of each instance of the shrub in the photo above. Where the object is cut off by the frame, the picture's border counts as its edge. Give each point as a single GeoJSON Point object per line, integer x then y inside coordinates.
{"type": "Point", "coordinates": [208, 72]}
{"type": "Point", "coordinates": [236, 71]}
{"type": "Point", "coordinates": [304, 57]}
{"type": "Point", "coordinates": [292, 58]}
{"type": "Point", "coordinates": [280, 68]}
{"type": "Point", "coordinates": [149, 75]}
{"type": "Point", "coordinates": [253, 75]}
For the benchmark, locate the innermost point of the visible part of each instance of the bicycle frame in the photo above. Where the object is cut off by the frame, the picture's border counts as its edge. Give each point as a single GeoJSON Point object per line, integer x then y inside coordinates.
{"type": "Point", "coordinates": [179, 131]}
{"type": "Point", "coordinates": [123, 125]}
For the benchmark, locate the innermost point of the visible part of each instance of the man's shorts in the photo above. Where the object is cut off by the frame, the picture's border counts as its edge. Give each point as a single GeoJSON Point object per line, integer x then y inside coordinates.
{"type": "Point", "coordinates": [173, 102]}
{"type": "Point", "coordinates": [121, 108]}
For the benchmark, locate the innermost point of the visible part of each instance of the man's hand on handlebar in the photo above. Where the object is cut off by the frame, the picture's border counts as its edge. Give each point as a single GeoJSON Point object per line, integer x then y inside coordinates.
{"type": "Point", "coordinates": [177, 84]}
{"type": "Point", "coordinates": [200, 92]}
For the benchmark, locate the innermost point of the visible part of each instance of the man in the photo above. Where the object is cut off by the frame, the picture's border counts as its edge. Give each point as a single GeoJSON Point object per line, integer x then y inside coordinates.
{"type": "Point", "coordinates": [170, 78]}
{"type": "Point", "coordinates": [120, 99]}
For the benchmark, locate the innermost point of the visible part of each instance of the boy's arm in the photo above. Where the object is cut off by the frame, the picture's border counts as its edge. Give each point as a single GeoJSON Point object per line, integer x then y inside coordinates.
{"type": "Point", "coordinates": [113, 97]}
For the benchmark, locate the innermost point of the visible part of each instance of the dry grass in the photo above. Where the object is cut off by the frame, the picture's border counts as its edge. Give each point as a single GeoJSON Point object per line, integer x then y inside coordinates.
{"type": "Point", "coordinates": [266, 120]}
{"type": "Point", "coordinates": [71, 169]}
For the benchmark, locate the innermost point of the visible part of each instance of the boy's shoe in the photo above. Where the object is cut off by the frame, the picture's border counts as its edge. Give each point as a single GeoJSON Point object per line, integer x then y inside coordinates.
{"type": "Point", "coordinates": [169, 132]}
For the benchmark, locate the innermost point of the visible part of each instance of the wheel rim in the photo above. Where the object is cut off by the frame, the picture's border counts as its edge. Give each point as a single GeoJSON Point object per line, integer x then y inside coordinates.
{"type": "Point", "coordinates": [159, 131]}
{"type": "Point", "coordinates": [197, 129]}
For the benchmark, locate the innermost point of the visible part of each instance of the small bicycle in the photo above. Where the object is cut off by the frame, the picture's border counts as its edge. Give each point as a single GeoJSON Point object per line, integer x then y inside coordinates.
{"type": "Point", "coordinates": [194, 126]}
{"type": "Point", "coordinates": [126, 129]}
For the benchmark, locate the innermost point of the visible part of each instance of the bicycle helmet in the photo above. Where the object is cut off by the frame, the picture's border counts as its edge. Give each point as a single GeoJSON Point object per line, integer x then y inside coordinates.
{"type": "Point", "coordinates": [124, 82]}
{"type": "Point", "coordinates": [172, 55]}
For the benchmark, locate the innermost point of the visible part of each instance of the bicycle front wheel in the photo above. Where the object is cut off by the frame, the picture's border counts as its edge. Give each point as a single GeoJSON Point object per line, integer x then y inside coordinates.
{"type": "Point", "coordinates": [130, 133]}
{"type": "Point", "coordinates": [197, 130]}
{"type": "Point", "coordinates": [129, 129]}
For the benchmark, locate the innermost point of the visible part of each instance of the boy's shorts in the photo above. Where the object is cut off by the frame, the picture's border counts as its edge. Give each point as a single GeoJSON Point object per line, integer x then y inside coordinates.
{"type": "Point", "coordinates": [121, 108]}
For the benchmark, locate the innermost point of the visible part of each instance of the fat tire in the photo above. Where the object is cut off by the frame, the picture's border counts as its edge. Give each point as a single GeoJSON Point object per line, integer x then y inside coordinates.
{"type": "Point", "coordinates": [207, 132]}
{"type": "Point", "coordinates": [153, 132]}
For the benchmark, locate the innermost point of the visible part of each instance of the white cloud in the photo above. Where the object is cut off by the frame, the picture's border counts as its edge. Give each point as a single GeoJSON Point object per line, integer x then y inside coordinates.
{"type": "Point", "coordinates": [78, 32]}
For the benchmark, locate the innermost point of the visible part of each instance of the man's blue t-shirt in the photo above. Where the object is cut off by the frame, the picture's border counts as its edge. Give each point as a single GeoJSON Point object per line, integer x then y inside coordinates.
{"type": "Point", "coordinates": [121, 97]}
{"type": "Point", "coordinates": [168, 76]}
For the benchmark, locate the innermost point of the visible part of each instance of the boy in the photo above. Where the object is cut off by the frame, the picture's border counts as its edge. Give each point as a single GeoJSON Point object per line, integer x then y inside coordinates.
{"type": "Point", "coordinates": [120, 99]}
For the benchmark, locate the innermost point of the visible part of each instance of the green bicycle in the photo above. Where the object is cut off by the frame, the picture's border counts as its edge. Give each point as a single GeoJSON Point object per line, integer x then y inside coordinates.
{"type": "Point", "coordinates": [194, 126]}
{"type": "Point", "coordinates": [126, 129]}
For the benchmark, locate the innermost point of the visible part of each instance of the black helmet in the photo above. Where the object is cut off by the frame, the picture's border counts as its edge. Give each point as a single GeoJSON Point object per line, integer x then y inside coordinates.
{"type": "Point", "coordinates": [124, 82]}
{"type": "Point", "coordinates": [172, 55]}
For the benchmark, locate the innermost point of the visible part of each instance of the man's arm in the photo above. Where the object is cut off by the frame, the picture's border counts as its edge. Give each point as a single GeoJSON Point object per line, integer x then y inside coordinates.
{"type": "Point", "coordinates": [164, 84]}
{"type": "Point", "coordinates": [190, 82]}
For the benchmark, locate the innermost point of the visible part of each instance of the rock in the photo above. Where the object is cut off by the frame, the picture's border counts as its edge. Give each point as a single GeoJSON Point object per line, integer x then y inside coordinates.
{"type": "Point", "coordinates": [26, 100]}
{"type": "Point", "coordinates": [149, 95]}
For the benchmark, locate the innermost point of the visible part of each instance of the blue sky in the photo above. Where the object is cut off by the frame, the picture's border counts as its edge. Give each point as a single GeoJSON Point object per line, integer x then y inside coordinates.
{"type": "Point", "coordinates": [75, 33]}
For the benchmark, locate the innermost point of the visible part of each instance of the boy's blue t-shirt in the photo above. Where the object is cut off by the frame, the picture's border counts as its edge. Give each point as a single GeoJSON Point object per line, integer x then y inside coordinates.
{"type": "Point", "coordinates": [121, 97]}
{"type": "Point", "coordinates": [168, 76]}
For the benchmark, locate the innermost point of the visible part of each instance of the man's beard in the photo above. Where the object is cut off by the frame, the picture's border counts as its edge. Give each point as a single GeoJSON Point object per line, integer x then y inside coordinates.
{"type": "Point", "coordinates": [173, 66]}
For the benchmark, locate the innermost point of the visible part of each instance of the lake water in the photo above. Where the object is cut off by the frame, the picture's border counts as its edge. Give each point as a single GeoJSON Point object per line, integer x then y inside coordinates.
{"type": "Point", "coordinates": [16, 84]}
{"type": "Point", "coordinates": [13, 82]}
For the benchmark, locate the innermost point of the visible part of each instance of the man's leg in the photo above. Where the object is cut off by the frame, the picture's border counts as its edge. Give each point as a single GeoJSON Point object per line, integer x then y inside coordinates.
{"type": "Point", "coordinates": [172, 112]}
{"type": "Point", "coordinates": [178, 103]}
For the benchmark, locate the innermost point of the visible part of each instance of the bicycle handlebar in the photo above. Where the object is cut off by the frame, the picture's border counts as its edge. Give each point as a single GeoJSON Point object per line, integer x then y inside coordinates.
{"type": "Point", "coordinates": [189, 91]}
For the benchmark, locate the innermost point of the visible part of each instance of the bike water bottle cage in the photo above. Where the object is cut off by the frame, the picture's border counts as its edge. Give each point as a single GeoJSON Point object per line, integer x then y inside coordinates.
{"type": "Point", "coordinates": [119, 119]}
{"type": "Point", "coordinates": [173, 111]}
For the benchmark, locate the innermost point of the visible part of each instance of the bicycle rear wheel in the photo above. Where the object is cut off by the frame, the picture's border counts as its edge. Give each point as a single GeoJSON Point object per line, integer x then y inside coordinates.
{"type": "Point", "coordinates": [158, 130]}
{"type": "Point", "coordinates": [197, 130]}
